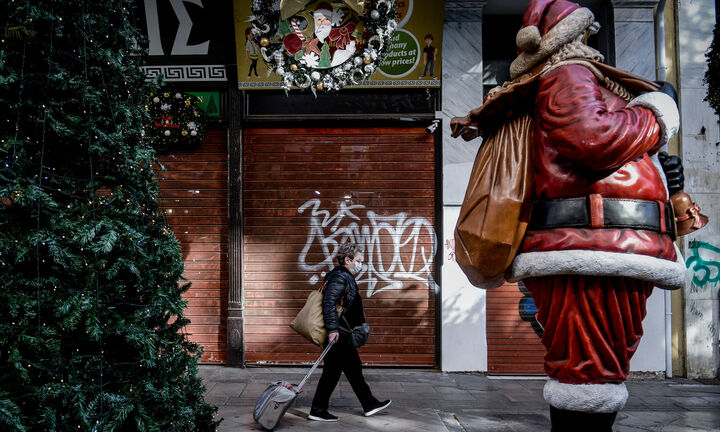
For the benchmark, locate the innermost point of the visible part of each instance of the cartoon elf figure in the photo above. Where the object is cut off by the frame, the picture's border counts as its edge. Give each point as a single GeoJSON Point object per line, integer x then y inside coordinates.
{"type": "Point", "coordinates": [251, 51]}
{"type": "Point", "coordinates": [429, 54]}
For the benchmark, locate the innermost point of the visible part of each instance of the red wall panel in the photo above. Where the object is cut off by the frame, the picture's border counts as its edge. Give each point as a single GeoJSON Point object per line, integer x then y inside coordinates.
{"type": "Point", "coordinates": [194, 191]}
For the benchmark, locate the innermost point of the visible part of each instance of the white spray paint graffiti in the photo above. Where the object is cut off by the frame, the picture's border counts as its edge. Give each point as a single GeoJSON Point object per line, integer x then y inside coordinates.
{"type": "Point", "coordinates": [410, 260]}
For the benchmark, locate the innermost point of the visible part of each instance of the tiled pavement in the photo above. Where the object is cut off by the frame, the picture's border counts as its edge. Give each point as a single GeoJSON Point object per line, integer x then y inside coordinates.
{"type": "Point", "coordinates": [432, 401]}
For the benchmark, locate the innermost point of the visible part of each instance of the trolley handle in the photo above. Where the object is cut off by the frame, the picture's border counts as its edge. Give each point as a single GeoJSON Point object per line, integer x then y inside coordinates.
{"type": "Point", "coordinates": [314, 366]}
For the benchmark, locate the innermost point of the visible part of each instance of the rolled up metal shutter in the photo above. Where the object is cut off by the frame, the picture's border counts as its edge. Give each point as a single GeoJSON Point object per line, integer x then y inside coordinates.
{"type": "Point", "coordinates": [305, 191]}
{"type": "Point", "coordinates": [513, 334]}
{"type": "Point", "coordinates": [193, 194]}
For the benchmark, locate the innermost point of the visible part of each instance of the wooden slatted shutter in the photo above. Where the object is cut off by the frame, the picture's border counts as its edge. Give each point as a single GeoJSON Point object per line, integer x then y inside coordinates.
{"type": "Point", "coordinates": [514, 346]}
{"type": "Point", "coordinates": [306, 191]}
{"type": "Point", "coordinates": [193, 192]}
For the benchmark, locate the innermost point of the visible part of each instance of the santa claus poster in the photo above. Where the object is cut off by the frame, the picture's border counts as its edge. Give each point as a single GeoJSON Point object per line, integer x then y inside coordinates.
{"type": "Point", "coordinates": [278, 40]}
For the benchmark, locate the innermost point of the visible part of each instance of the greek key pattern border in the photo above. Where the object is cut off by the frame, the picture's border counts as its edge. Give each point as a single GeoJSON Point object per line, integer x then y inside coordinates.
{"type": "Point", "coordinates": [365, 84]}
{"type": "Point", "coordinates": [192, 73]}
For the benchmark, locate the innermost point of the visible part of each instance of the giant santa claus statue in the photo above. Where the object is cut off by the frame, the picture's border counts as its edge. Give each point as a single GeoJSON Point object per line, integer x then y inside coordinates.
{"type": "Point", "coordinates": [596, 223]}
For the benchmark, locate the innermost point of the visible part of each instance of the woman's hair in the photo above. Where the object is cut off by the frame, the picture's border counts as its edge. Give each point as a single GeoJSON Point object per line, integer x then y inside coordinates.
{"type": "Point", "coordinates": [248, 31]}
{"type": "Point", "coordinates": [347, 250]}
{"type": "Point", "coordinates": [429, 36]}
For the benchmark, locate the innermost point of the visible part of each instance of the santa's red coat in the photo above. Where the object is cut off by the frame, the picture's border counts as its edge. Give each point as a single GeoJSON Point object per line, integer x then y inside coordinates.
{"type": "Point", "coordinates": [589, 141]}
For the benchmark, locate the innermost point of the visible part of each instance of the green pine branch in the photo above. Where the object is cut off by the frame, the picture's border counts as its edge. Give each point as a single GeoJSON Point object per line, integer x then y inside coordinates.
{"type": "Point", "coordinates": [91, 307]}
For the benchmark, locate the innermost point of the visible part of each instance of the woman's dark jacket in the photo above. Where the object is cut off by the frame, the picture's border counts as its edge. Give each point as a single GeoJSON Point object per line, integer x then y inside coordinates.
{"type": "Point", "coordinates": [341, 287]}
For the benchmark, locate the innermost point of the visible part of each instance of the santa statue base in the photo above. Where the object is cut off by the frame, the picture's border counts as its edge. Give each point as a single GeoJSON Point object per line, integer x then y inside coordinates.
{"type": "Point", "coordinates": [572, 421]}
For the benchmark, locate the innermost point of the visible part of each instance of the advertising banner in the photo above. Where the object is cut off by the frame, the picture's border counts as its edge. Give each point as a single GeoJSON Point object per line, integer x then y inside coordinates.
{"type": "Point", "coordinates": [412, 58]}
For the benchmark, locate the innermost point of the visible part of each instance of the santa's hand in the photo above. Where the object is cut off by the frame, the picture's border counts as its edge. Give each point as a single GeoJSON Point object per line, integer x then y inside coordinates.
{"type": "Point", "coordinates": [333, 337]}
{"type": "Point", "coordinates": [672, 165]}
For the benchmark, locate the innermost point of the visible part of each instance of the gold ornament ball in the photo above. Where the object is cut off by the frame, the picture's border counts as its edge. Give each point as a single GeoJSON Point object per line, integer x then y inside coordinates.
{"type": "Point", "coordinates": [294, 67]}
{"type": "Point", "coordinates": [264, 42]}
{"type": "Point", "coordinates": [187, 103]}
{"type": "Point", "coordinates": [367, 60]}
{"type": "Point", "coordinates": [184, 133]}
{"type": "Point", "coordinates": [319, 86]}
{"type": "Point", "coordinates": [166, 94]}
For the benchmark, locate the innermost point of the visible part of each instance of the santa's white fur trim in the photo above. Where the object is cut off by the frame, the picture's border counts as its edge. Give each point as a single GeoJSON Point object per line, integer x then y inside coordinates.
{"type": "Point", "coordinates": [528, 38]}
{"type": "Point", "coordinates": [597, 398]}
{"type": "Point", "coordinates": [661, 272]}
{"type": "Point", "coordinates": [567, 30]}
{"type": "Point", "coordinates": [665, 110]}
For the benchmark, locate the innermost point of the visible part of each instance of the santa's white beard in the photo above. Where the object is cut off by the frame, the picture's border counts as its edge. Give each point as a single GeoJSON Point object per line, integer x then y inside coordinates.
{"type": "Point", "coordinates": [322, 32]}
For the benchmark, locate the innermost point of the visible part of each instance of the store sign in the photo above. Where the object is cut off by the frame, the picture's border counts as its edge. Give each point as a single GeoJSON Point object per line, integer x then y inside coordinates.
{"type": "Point", "coordinates": [413, 56]}
{"type": "Point", "coordinates": [209, 102]}
{"type": "Point", "coordinates": [185, 39]}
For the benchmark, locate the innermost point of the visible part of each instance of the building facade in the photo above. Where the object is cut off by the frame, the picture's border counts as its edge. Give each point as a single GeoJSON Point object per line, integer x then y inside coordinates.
{"type": "Point", "coordinates": [281, 179]}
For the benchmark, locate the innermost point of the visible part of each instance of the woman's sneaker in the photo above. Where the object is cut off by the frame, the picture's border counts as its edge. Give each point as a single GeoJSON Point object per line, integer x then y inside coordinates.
{"type": "Point", "coordinates": [377, 408]}
{"type": "Point", "coordinates": [322, 415]}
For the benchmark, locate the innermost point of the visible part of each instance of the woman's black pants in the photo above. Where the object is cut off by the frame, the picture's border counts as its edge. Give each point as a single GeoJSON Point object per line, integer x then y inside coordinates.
{"type": "Point", "coordinates": [342, 358]}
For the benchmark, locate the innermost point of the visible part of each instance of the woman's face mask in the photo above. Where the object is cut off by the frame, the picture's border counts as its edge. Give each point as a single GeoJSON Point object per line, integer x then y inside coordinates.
{"type": "Point", "coordinates": [356, 265]}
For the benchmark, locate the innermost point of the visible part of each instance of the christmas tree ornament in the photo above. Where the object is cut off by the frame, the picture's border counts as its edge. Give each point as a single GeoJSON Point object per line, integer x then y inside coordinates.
{"type": "Point", "coordinates": [374, 14]}
{"type": "Point", "coordinates": [319, 86]}
{"type": "Point", "coordinates": [294, 67]}
{"type": "Point", "coordinates": [264, 42]}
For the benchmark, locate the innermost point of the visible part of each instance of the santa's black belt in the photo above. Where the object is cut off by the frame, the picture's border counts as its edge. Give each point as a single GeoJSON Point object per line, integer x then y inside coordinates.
{"type": "Point", "coordinates": [595, 211]}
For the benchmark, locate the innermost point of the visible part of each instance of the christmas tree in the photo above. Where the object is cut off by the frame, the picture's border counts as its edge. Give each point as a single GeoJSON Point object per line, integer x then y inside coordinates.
{"type": "Point", "coordinates": [91, 310]}
{"type": "Point", "coordinates": [712, 75]}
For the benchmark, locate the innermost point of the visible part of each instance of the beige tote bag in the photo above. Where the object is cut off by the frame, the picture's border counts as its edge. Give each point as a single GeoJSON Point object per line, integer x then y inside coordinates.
{"type": "Point", "coordinates": [309, 322]}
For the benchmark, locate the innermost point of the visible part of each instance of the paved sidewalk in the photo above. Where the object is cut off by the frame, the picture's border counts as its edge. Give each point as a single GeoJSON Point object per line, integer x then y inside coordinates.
{"type": "Point", "coordinates": [432, 401]}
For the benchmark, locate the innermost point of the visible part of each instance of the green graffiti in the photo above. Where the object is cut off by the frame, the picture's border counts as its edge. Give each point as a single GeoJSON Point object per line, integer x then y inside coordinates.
{"type": "Point", "coordinates": [705, 271]}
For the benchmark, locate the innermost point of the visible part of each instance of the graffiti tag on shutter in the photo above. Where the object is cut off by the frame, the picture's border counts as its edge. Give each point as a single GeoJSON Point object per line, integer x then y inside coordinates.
{"type": "Point", "coordinates": [411, 259]}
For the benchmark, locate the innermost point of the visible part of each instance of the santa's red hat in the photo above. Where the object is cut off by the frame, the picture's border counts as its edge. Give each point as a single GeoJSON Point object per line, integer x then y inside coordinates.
{"type": "Point", "coordinates": [547, 26]}
{"type": "Point", "coordinates": [323, 8]}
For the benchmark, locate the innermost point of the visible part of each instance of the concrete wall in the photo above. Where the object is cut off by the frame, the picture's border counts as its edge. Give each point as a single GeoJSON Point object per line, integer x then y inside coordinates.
{"type": "Point", "coordinates": [635, 53]}
{"type": "Point", "coordinates": [463, 306]}
{"type": "Point", "coordinates": [464, 346]}
{"type": "Point", "coordinates": [701, 159]}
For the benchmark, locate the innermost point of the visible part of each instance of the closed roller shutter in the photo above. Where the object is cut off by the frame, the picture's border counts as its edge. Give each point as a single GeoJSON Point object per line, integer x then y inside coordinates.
{"type": "Point", "coordinates": [305, 191]}
{"type": "Point", "coordinates": [514, 346]}
{"type": "Point", "coordinates": [193, 192]}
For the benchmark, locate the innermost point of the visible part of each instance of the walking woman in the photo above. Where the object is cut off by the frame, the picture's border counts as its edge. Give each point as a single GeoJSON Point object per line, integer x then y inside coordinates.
{"type": "Point", "coordinates": [343, 356]}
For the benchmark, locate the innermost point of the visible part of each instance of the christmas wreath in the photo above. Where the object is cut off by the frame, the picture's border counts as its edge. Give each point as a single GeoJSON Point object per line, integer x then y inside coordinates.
{"type": "Point", "coordinates": [175, 119]}
{"type": "Point", "coordinates": [321, 45]}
